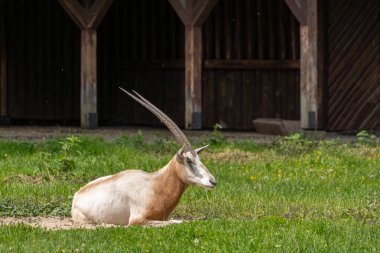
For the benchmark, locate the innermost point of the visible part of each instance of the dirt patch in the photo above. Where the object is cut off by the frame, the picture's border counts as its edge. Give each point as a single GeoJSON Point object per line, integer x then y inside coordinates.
{"type": "Point", "coordinates": [232, 155]}
{"type": "Point", "coordinates": [60, 223]}
{"type": "Point", "coordinates": [49, 223]}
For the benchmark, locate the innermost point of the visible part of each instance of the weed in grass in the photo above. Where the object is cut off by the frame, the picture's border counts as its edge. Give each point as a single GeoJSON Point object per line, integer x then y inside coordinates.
{"type": "Point", "coordinates": [294, 144]}
{"type": "Point", "coordinates": [28, 207]}
{"type": "Point", "coordinates": [69, 146]}
{"type": "Point", "coordinates": [216, 137]}
{"type": "Point", "coordinates": [364, 137]}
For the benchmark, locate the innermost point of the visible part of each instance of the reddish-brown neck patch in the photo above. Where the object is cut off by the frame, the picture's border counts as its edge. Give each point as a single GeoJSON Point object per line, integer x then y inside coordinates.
{"type": "Point", "coordinates": [168, 189]}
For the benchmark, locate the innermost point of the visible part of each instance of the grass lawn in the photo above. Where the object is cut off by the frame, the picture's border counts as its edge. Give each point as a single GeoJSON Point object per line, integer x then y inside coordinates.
{"type": "Point", "coordinates": [296, 195]}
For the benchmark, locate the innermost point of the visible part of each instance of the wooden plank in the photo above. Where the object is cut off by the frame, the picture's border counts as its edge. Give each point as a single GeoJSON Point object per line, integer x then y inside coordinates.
{"type": "Point", "coordinates": [297, 10]}
{"type": "Point", "coordinates": [48, 59]}
{"type": "Point", "coordinates": [228, 42]}
{"type": "Point", "coordinates": [151, 64]}
{"type": "Point", "coordinates": [183, 13]}
{"type": "Point", "coordinates": [260, 31]}
{"type": "Point", "coordinates": [193, 13]}
{"type": "Point", "coordinates": [233, 114]}
{"type": "Point", "coordinates": [144, 30]}
{"type": "Point", "coordinates": [281, 24]}
{"type": "Point", "coordinates": [221, 97]}
{"type": "Point", "coordinates": [43, 110]}
{"type": "Point", "coordinates": [212, 64]}
{"type": "Point", "coordinates": [304, 69]}
{"type": "Point", "coordinates": [313, 81]}
{"type": "Point", "coordinates": [218, 32]}
{"type": "Point", "coordinates": [89, 115]}
{"type": "Point", "coordinates": [271, 29]}
{"type": "Point", "coordinates": [98, 10]}
{"type": "Point", "coordinates": [201, 11]}
{"type": "Point", "coordinates": [76, 11]}
{"type": "Point", "coordinates": [134, 32]}
{"type": "Point", "coordinates": [29, 99]}
{"type": "Point", "coordinates": [173, 36]}
{"type": "Point", "coordinates": [86, 18]}
{"type": "Point", "coordinates": [208, 99]}
{"type": "Point", "coordinates": [249, 31]}
{"type": "Point", "coordinates": [208, 40]}
{"type": "Point", "coordinates": [193, 77]}
{"type": "Point", "coordinates": [252, 64]}
{"type": "Point", "coordinates": [164, 51]}
{"type": "Point", "coordinates": [293, 38]}
{"type": "Point", "coordinates": [248, 98]}
{"type": "Point", "coordinates": [238, 16]}
{"type": "Point", "coordinates": [3, 63]}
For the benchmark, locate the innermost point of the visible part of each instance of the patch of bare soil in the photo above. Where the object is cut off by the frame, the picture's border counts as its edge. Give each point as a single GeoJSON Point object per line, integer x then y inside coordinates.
{"type": "Point", "coordinates": [49, 223]}
{"type": "Point", "coordinates": [232, 155]}
{"type": "Point", "coordinates": [60, 223]}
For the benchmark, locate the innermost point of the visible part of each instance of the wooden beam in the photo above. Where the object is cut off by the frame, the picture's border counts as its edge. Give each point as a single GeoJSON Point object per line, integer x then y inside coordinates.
{"type": "Point", "coordinates": [313, 79]}
{"type": "Point", "coordinates": [89, 118]}
{"type": "Point", "coordinates": [305, 100]}
{"type": "Point", "coordinates": [251, 64]}
{"type": "Point", "coordinates": [211, 64]}
{"type": "Point", "coordinates": [182, 11]}
{"type": "Point", "coordinates": [193, 77]}
{"type": "Point", "coordinates": [201, 11]}
{"type": "Point", "coordinates": [193, 13]}
{"type": "Point", "coordinates": [88, 17]}
{"type": "Point", "coordinates": [3, 65]}
{"type": "Point", "coordinates": [297, 7]}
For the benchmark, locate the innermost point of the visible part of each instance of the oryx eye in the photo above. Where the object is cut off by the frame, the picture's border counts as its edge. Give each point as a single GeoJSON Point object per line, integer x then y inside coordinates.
{"type": "Point", "coordinates": [189, 161]}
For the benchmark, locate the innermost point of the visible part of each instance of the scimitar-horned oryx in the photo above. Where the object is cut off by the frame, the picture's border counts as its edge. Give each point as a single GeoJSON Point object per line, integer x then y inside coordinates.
{"type": "Point", "coordinates": [135, 197]}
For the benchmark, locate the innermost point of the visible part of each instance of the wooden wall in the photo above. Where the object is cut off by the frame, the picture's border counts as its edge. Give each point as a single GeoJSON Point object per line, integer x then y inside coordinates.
{"type": "Point", "coordinates": [42, 62]}
{"type": "Point", "coordinates": [250, 33]}
{"type": "Point", "coordinates": [354, 65]}
{"type": "Point", "coordinates": [146, 45]}
{"type": "Point", "coordinates": [141, 47]}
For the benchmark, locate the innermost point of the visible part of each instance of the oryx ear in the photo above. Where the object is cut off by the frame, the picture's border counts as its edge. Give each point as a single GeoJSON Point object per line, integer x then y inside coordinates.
{"type": "Point", "coordinates": [198, 150]}
{"type": "Point", "coordinates": [180, 154]}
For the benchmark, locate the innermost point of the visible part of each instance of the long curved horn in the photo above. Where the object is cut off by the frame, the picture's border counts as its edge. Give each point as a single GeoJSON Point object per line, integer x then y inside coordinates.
{"type": "Point", "coordinates": [174, 129]}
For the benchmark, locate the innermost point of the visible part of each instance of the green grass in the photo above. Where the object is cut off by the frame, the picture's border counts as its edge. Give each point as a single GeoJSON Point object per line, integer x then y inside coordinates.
{"type": "Point", "coordinates": [296, 195]}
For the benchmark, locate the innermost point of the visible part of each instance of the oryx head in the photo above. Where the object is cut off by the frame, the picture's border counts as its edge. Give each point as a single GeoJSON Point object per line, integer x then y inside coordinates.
{"type": "Point", "coordinates": [194, 171]}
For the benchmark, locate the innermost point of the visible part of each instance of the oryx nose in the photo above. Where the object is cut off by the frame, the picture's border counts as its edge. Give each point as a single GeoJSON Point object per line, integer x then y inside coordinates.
{"type": "Point", "coordinates": [213, 182]}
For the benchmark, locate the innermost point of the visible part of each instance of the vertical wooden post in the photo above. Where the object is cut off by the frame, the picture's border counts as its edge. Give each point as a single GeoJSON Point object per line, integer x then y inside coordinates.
{"type": "Point", "coordinates": [89, 118]}
{"type": "Point", "coordinates": [193, 77]}
{"type": "Point", "coordinates": [88, 17]}
{"type": "Point", "coordinates": [304, 87]}
{"type": "Point", "coordinates": [3, 65]}
{"type": "Point", "coordinates": [193, 14]}
{"type": "Point", "coordinates": [312, 89]}
{"type": "Point", "coordinates": [313, 85]}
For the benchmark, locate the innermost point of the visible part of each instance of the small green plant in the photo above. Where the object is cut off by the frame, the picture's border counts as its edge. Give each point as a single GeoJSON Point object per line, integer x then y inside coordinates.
{"type": "Point", "coordinates": [294, 144]}
{"type": "Point", "coordinates": [366, 138]}
{"type": "Point", "coordinates": [216, 136]}
{"type": "Point", "coordinates": [138, 138]}
{"type": "Point", "coordinates": [69, 145]}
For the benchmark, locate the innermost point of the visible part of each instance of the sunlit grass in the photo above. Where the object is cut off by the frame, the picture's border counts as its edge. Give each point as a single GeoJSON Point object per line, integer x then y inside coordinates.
{"type": "Point", "coordinates": [267, 198]}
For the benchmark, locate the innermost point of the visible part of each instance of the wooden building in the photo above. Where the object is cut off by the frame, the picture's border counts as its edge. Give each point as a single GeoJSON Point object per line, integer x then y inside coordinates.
{"type": "Point", "coordinates": [201, 61]}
